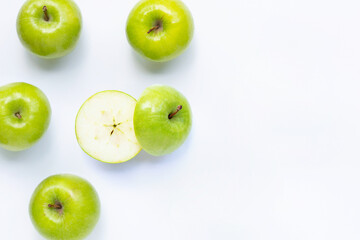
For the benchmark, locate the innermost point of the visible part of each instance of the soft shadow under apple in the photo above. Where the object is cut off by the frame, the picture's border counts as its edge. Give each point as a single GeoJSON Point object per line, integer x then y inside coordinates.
{"type": "Point", "coordinates": [69, 62]}
{"type": "Point", "coordinates": [144, 158]}
{"type": "Point", "coordinates": [41, 148]}
{"type": "Point", "coordinates": [183, 61]}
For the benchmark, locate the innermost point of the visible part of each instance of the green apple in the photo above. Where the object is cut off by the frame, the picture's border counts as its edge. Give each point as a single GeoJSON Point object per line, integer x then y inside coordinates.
{"type": "Point", "coordinates": [64, 206]}
{"type": "Point", "coordinates": [49, 28]}
{"type": "Point", "coordinates": [24, 115]}
{"type": "Point", "coordinates": [160, 30]}
{"type": "Point", "coordinates": [104, 127]}
{"type": "Point", "coordinates": [162, 120]}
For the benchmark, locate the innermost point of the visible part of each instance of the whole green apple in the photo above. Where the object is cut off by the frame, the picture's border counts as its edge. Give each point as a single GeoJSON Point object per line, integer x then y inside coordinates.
{"type": "Point", "coordinates": [162, 120]}
{"type": "Point", "coordinates": [24, 115]}
{"type": "Point", "coordinates": [64, 206]}
{"type": "Point", "coordinates": [160, 30]}
{"type": "Point", "coordinates": [49, 29]}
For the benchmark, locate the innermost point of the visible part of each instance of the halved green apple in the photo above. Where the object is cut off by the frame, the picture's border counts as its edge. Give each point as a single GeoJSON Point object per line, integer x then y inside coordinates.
{"type": "Point", "coordinates": [104, 127]}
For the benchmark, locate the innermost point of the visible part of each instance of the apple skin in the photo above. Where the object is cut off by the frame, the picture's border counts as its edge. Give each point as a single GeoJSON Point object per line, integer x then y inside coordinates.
{"type": "Point", "coordinates": [80, 207]}
{"type": "Point", "coordinates": [156, 133]}
{"type": "Point", "coordinates": [49, 39]}
{"type": "Point", "coordinates": [167, 42]}
{"type": "Point", "coordinates": [30, 102]}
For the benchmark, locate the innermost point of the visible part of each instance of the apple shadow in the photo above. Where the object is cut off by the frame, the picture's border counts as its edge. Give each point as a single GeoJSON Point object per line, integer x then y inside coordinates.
{"type": "Point", "coordinates": [70, 61]}
{"type": "Point", "coordinates": [13, 156]}
{"type": "Point", "coordinates": [41, 148]}
{"type": "Point", "coordinates": [97, 232]}
{"type": "Point", "coordinates": [144, 158]}
{"type": "Point", "coordinates": [182, 61]}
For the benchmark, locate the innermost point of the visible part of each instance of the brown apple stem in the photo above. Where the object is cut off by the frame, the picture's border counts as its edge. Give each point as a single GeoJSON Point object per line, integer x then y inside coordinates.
{"type": "Point", "coordinates": [154, 28]}
{"type": "Point", "coordinates": [18, 115]}
{"type": "Point", "coordinates": [46, 16]}
{"type": "Point", "coordinates": [56, 206]}
{"type": "Point", "coordinates": [171, 115]}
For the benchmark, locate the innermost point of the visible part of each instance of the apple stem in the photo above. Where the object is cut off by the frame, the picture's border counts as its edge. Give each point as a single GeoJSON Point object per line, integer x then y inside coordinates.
{"type": "Point", "coordinates": [154, 28]}
{"type": "Point", "coordinates": [46, 16]}
{"type": "Point", "coordinates": [171, 115]}
{"type": "Point", "coordinates": [56, 206]}
{"type": "Point", "coordinates": [18, 115]}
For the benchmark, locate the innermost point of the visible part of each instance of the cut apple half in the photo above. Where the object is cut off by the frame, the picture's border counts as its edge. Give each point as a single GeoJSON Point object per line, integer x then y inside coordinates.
{"type": "Point", "coordinates": [104, 127]}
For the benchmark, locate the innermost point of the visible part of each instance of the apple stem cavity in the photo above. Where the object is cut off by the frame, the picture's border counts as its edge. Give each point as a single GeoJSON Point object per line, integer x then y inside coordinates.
{"type": "Point", "coordinates": [46, 16]}
{"type": "Point", "coordinates": [156, 27]}
{"type": "Point", "coordinates": [171, 115]}
{"type": "Point", "coordinates": [18, 115]}
{"type": "Point", "coordinates": [56, 205]}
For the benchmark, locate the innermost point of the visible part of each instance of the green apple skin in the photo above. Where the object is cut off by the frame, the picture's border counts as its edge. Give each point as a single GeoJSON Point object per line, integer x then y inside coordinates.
{"type": "Point", "coordinates": [53, 38]}
{"type": "Point", "coordinates": [25, 115]}
{"type": "Point", "coordinates": [78, 207]}
{"type": "Point", "coordinates": [173, 35]}
{"type": "Point", "coordinates": [156, 133]}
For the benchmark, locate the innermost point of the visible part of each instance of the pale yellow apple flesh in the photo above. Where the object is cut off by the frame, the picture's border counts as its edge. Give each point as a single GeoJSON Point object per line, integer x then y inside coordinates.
{"type": "Point", "coordinates": [104, 127]}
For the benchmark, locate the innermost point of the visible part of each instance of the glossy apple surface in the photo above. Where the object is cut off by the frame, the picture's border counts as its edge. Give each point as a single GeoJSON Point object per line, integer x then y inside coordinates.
{"type": "Point", "coordinates": [49, 29]}
{"type": "Point", "coordinates": [160, 30]}
{"type": "Point", "coordinates": [64, 206]}
{"type": "Point", "coordinates": [162, 120]}
{"type": "Point", "coordinates": [104, 127]}
{"type": "Point", "coordinates": [24, 116]}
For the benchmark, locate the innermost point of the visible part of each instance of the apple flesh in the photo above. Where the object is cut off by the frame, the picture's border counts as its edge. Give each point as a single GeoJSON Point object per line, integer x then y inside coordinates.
{"type": "Point", "coordinates": [160, 30]}
{"type": "Point", "coordinates": [162, 120]}
{"type": "Point", "coordinates": [64, 206]}
{"type": "Point", "coordinates": [24, 116]}
{"type": "Point", "coordinates": [49, 29]}
{"type": "Point", "coordinates": [104, 127]}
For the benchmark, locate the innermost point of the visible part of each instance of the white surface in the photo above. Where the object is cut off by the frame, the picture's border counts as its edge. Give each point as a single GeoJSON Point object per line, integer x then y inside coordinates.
{"type": "Point", "coordinates": [274, 151]}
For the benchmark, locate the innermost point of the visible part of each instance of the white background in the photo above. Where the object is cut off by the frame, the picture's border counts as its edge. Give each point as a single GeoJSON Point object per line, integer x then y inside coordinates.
{"type": "Point", "coordinates": [274, 150]}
